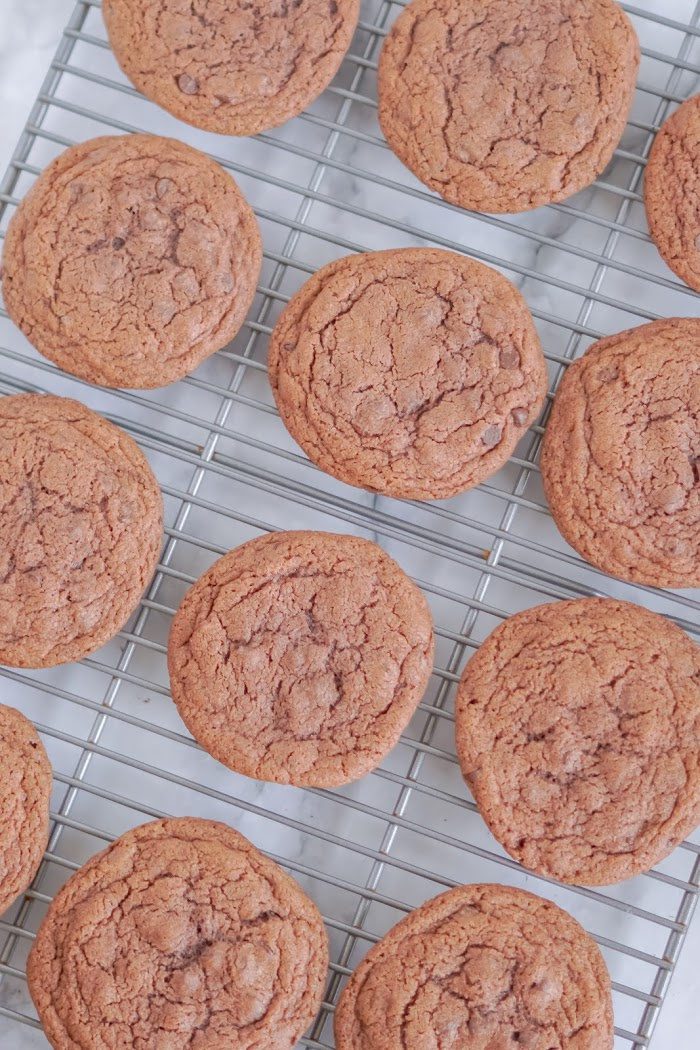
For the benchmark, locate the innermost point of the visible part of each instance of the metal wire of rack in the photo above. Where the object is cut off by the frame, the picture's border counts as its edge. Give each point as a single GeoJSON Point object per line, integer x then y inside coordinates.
{"type": "Point", "coordinates": [323, 185]}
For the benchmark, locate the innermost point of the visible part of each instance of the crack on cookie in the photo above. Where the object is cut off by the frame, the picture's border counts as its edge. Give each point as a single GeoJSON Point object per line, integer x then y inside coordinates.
{"type": "Point", "coordinates": [180, 927]}
{"type": "Point", "coordinates": [511, 110]}
{"type": "Point", "coordinates": [481, 966]}
{"type": "Point", "coordinates": [577, 729]}
{"type": "Point", "coordinates": [672, 192]}
{"type": "Point", "coordinates": [387, 369]}
{"type": "Point", "coordinates": [300, 657]}
{"type": "Point", "coordinates": [246, 66]}
{"type": "Point", "coordinates": [80, 531]}
{"type": "Point", "coordinates": [143, 273]}
{"type": "Point", "coordinates": [618, 454]}
{"type": "Point", "coordinates": [25, 790]}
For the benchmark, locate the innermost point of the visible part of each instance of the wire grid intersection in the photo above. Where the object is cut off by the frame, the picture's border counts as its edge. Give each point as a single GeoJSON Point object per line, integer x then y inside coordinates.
{"type": "Point", "coordinates": [323, 185]}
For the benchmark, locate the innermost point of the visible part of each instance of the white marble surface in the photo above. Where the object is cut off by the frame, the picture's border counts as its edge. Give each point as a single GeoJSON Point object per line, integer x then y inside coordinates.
{"type": "Point", "coordinates": [30, 30]}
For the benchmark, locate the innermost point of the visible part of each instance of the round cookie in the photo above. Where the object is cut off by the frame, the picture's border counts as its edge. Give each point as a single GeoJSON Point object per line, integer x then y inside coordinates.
{"type": "Point", "coordinates": [236, 66]}
{"type": "Point", "coordinates": [25, 790]}
{"type": "Point", "coordinates": [578, 732]}
{"type": "Point", "coordinates": [621, 454]}
{"type": "Point", "coordinates": [480, 966]}
{"type": "Point", "coordinates": [80, 529]}
{"type": "Point", "coordinates": [672, 192]}
{"type": "Point", "coordinates": [131, 260]}
{"type": "Point", "coordinates": [411, 372]}
{"type": "Point", "coordinates": [504, 105]}
{"type": "Point", "coordinates": [181, 933]}
{"type": "Point", "coordinates": [300, 657]}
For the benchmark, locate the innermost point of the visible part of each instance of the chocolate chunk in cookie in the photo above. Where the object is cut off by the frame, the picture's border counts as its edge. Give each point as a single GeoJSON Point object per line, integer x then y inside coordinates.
{"type": "Point", "coordinates": [131, 260]}
{"type": "Point", "coordinates": [80, 530]}
{"type": "Point", "coordinates": [233, 66]}
{"type": "Point", "coordinates": [620, 454]}
{"type": "Point", "coordinates": [180, 934]}
{"type": "Point", "coordinates": [504, 105]}
{"type": "Point", "coordinates": [484, 967]}
{"type": "Point", "coordinates": [300, 657]}
{"type": "Point", "coordinates": [578, 732]}
{"type": "Point", "coordinates": [411, 372]}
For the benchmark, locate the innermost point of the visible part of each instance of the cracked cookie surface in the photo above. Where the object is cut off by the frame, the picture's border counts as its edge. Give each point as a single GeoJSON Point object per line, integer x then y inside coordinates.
{"type": "Point", "coordinates": [505, 105]}
{"type": "Point", "coordinates": [232, 66]}
{"type": "Point", "coordinates": [131, 260]}
{"type": "Point", "coordinates": [578, 732]}
{"type": "Point", "coordinates": [481, 966]}
{"type": "Point", "coordinates": [180, 934]}
{"type": "Point", "coordinates": [25, 790]}
{"type": "Point", "coordinates": [300, 657]}
{"type": "Point", "coordinates": [672, 192]}
{"type": "Point", "coordinates": [411, 372]}
{"type": "Point", "coordinates": [80, 529]}
{"type": "Point", "coordinates": [621, 454]}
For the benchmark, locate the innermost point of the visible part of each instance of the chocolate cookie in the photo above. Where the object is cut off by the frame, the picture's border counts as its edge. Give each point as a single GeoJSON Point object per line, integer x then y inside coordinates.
{"type": "Point", "coordinates": [672, 192]}
{"type": "Point", "coordinates": [300, 657]}
{"type": "Point", "coordinates": [480, 967]}
{"type": "Point", "coordinates": [578, 731]}
{"type": "Point", "coordinates": [412, 372]}
{"type": "Point", "coordinates": [180, 934]}
{"type": "Point", "coordinates": [25, 789]}
{"type": "Point", "coordinates": [621, 454]}
{"type": "Point", "coordinates": [234, 66]}
{"type": "Point", "coordinates": [503, 105]}
{"type": "Point", "coordinates": [131, 260]}
{"type": "Point", "coordinates": [80, 530]}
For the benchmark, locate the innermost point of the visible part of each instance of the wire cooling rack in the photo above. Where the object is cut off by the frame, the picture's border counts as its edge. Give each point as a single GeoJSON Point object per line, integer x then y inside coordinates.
{"type": "Point", "coordinates": [323, 185]}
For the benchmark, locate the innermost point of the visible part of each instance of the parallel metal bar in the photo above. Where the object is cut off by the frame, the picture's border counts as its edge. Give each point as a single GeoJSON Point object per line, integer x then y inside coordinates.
{"type": "Point", "coordinates": [356, 512]}
{"type": "Point", "coordinates": [403, 227]}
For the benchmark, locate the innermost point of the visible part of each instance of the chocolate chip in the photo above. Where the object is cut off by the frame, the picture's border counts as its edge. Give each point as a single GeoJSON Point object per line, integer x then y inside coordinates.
{"type": "Point", "coordinates": [509, 359]}
{"type": "Point", "coordinates": [118, 242]}
{"type": "Point", "coordinates": [491, 436]}
{"type": "Point", "coordinates": [520, 416]}
{"type": "Point", "coordinates": [162, 187]}
{"type": "Point", "coordinates": [695, 464]}
{"type": "Point", "coordinates": [187, 84]}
